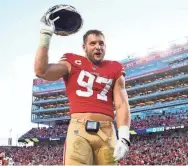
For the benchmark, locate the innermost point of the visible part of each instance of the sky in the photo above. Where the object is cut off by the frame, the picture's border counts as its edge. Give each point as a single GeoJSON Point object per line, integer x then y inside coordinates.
{"type": "Point", "coordinates": [130, 26]}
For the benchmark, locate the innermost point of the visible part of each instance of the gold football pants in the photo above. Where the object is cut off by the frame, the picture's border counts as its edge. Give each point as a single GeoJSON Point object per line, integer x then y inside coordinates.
{"type": "Point", "coordinates": [82, 148]}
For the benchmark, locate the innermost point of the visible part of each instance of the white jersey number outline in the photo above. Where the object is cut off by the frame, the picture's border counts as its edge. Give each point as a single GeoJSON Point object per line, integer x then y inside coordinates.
{"type": "Point", "coordinates": [89, 85]}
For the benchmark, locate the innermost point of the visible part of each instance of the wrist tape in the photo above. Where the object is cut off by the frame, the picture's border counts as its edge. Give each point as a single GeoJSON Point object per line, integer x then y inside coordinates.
{"type": "Point", "coordinates": [45, 39]}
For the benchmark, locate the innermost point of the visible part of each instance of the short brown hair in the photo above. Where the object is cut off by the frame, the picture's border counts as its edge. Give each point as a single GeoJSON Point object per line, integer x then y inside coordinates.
{"type": "Point", "coordinates": [94, 32]}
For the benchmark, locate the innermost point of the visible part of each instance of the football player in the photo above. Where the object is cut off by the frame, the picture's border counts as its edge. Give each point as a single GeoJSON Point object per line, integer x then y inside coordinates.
{"type": "Point", "coordinates": [94, 86]}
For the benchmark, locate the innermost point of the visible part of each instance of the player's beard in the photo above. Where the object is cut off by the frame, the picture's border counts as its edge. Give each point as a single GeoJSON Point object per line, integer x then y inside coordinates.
{"type": "Point", "coordinates": [91, 58]}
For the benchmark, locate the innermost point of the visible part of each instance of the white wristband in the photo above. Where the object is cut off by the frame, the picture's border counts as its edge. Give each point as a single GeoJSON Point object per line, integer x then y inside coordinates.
{"type": "Point", "coordinates": [45, 40]}
{"type": "Point", "coordinates": [123, 132]}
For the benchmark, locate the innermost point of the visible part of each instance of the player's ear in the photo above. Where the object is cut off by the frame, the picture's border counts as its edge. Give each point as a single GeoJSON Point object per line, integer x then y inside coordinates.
{"type": "Point", "coordinates": [84, 47]}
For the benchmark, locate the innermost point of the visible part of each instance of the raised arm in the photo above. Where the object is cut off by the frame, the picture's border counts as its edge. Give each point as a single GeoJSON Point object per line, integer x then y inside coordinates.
{"type": "Point", "coordinates": [42, 68]}
{"type": "Point", "coordinates": [46, 71]}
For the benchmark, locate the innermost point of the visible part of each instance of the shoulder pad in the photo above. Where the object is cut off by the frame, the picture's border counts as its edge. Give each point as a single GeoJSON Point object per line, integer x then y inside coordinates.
{"type": "Point", "coordinates": [71, 58]}
{"type": "Point", "coordinates": [120, 69]}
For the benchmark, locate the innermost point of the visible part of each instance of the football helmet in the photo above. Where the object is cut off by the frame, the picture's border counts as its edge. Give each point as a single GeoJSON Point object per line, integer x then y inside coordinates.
{"type": "Point", "coordinates": [65, 19]}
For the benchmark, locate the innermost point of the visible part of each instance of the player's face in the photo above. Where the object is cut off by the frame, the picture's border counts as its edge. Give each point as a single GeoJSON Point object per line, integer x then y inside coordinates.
{"type": "Point", "coordinates": [95, 48]}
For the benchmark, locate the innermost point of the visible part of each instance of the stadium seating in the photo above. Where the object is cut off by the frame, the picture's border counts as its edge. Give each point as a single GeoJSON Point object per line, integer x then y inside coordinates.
{"type": "Point", "coordinates": [43, 132]}
{"type": "Point", "coordinates": [37, 155]}
{"type": "Point", "coordinates": [162, 110]}
{"type": "Point", "coordinates": [160, 149]}
{"type": "Point", "coordinates": [167, 119]}
{"type": "Point", "coordinates": [169, 148]}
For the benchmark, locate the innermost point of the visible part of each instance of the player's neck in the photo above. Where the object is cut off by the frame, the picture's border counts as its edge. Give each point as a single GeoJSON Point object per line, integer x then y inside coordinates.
{"type": "Point", "coordinates": [96, 64]}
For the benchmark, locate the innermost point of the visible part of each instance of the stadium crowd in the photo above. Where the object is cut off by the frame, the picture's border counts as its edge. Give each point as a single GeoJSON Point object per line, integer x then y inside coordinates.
{"type": "Point", "coordinates": [147, 104]}
{"type": "Point", "coordinates": [154, 78]}
{"type": "Point", "coordinates": [47, 97]}
{"type": "Point", "coordinates": [158, 149]}
{"type": "Point", "coordinates": [64, 103]}
{"type": "Point", "coordinates": [169, 148]}
{"type": "Point", "coordinates": [156, 90]}
{"type": "Point", "coordinates": [161, 101]}
{"type": "Point", "coordinates": [164, 119]}
{"type": "Point", "coordinates": [35, 155]}
{"type": "Point", "coordinates": [44, 132]}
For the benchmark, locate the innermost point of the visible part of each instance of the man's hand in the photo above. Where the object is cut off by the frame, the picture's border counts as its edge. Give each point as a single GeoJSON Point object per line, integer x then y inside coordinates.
{"type": "Point", "coordinates": [46, 30]}
{"type": "Point", "coordinates": [121, 149]}
{"type": "Point", "coordinates": [123, 143]}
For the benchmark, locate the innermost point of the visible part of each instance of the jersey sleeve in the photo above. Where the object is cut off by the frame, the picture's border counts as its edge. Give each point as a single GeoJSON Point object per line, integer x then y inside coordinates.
{"type": "Point", "coordinates": [120, 70]}
{"type": "Point", "coordinates": [73, 60]}
{"type": "Point", "coordinates": [69, 57]}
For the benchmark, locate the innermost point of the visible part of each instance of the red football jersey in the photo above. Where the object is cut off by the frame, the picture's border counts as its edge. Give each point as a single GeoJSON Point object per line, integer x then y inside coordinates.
{"type": "Point", "coordinates": [89, 87]}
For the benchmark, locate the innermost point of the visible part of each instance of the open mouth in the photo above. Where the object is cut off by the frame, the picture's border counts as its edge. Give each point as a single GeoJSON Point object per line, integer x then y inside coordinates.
{"type": "Point", "coordinates": [98, 53]}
